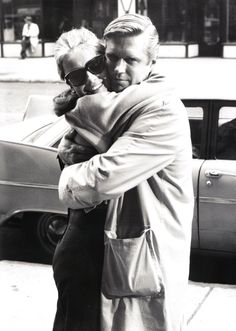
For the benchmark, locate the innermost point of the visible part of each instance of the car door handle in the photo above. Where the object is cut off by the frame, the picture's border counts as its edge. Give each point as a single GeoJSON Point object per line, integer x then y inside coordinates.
{"type": "Point", "coordinates": [212, 173]}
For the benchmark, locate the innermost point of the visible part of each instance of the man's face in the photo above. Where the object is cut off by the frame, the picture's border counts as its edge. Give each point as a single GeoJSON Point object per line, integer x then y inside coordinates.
{"type": "Point", "coordinates": [127, 61]}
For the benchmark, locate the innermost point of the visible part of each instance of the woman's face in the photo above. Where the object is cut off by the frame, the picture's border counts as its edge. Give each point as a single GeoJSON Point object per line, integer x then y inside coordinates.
{"type": "Point", "coordinates": [77, 59]}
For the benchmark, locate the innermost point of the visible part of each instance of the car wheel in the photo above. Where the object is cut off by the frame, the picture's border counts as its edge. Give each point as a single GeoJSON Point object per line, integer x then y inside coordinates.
{"type": "Point", "coordinates": [50, 229]}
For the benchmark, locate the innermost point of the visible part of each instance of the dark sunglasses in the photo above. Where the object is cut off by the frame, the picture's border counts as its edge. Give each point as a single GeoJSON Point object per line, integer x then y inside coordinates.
{"type": "Point", "coordinates": [77, 77]}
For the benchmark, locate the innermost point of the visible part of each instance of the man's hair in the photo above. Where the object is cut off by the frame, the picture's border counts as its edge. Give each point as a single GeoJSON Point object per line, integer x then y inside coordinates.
{"type": "Point", "coordinates": [69, 41]}
{"type": "Point", "coordinates": [132, 25]}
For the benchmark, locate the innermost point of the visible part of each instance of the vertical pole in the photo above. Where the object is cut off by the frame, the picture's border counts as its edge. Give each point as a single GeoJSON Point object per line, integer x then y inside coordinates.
{"type": "Point", "coordinates": [1, 28]}
{"type": "Point", "coordinates": [227, 22]}
{"type": "Point", "coordinates": [42, 27]}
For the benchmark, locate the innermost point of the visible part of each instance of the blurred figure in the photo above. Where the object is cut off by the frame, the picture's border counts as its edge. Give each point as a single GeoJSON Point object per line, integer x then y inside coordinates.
{"type": "Point", "coordinates": [30, 34]}
{"type": "Point", "coordinates": [65, 25]}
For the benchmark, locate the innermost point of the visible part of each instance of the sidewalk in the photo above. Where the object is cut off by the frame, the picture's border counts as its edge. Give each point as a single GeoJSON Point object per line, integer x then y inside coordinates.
{"type": "Point", "coordinates": [28, 301]}
{"type": "Point", "coordinates": [45, 70]}
{"type": "Point", "coordinates": [29, 70]}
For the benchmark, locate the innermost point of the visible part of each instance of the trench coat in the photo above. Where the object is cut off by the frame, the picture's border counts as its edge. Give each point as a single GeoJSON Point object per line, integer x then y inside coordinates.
{"type": "Point", "coordinates": [144, 170]}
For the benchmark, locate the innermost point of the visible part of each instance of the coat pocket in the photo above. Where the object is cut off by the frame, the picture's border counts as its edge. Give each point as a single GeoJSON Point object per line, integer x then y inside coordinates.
{"type": "Point", "coordinates": [130, 267]}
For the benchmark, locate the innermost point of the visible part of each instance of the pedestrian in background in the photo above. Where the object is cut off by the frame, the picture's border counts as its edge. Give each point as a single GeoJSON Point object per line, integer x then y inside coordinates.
{"type": "Point", "coordinates": [30, 34]}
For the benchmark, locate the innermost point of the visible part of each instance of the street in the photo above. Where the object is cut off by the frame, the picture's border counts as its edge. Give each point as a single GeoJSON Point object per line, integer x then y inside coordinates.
{"type": "Point", "coordinates": [14, 97]}
{"type": "Point", "coordinates": [217, 74]}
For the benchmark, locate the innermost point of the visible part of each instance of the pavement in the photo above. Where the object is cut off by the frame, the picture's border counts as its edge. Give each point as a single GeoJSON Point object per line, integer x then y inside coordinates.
{"type": "Point", "coordinates": [218, 70]}
{"type": "Point", "coordinates": [41, 69]}
{"type": "Point", "coordinates": [27, 290]}
{"type": "Point", "coordinates": [28, 300]}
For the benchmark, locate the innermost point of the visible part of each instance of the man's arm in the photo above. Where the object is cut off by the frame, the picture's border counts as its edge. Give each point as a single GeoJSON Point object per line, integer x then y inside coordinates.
{"type": "Point", "coordinates": [148, 146]}
{"type": "Point", "coordinates": [96, 117]}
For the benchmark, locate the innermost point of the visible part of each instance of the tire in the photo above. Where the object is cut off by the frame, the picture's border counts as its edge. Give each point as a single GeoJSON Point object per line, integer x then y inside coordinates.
{"type": "Point", "coordinates": [50, 229]}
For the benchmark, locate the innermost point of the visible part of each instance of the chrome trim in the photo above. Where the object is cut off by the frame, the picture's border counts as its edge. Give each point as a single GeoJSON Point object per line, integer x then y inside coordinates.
{"type": "Point", "coordinates": [217, 200]}
{"type": "Point", "coordinates": [214, 173]}
{"type": "Point", "coordinates": [31, 185]}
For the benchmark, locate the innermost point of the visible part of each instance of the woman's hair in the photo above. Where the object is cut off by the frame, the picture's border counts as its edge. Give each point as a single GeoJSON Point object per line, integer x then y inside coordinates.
{"type": "Point", "coordinates": [132, 25]}
{"type": "Point", "coordinates": [72, 39]}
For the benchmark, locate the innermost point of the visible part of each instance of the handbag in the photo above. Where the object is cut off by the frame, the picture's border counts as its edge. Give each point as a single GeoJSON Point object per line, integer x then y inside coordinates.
{"type": "Point", "coordinates": [131, 267]}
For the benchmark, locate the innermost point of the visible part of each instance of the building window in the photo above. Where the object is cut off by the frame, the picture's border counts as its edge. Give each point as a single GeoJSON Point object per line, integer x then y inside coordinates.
{"type": "Point", "coordinates": [211, 22]}
{"type": "Point", "coordinates": [175, 20]}
{"type": "Point", "coordinates": [103, 13]}
{"type": "Point", "coordinates": [232, 21]}
{"type": "Point", "coordinates": [226, 134]}
{"type": "Point", "coordinates": [14, 13]}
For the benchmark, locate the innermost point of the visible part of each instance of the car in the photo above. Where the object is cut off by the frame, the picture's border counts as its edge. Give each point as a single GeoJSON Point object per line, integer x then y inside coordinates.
{"type": "Point", "coordinates": [213, 133]}
{"type": "Point", "coordinates": [29, 174]}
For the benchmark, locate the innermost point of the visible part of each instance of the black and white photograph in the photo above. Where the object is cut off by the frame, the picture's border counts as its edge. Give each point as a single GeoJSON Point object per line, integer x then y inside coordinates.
{"type": "Point", "coordinates": [117, 165]}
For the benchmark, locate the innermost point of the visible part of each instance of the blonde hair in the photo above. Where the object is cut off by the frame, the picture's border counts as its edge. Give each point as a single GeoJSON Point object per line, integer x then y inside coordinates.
{"type": "Point", "coordinates": [135, 24]}
{"type": "Point", "coordinates": [72, 39]}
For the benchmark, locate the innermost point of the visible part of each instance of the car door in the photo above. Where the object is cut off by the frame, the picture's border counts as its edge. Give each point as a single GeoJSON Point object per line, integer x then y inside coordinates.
{"type": "Point", "coordinates": [29, 177]}
{"type": "Point", "coordinates": [197, 114]}
{"type": "Point", "coordinates": [217, 183]}
{"type": "Point", "coordinates": [217, 205]}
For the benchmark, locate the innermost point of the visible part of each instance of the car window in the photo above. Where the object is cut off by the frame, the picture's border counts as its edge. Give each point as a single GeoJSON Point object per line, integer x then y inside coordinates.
{"type": "Point", "coordinates": [195, 115]}
{"type": "Point", "coordinates": [226, 134]}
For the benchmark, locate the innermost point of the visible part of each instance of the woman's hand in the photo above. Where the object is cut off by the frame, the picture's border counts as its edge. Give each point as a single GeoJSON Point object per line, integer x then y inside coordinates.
{"type": "Point", "coordinates": [74, 149]}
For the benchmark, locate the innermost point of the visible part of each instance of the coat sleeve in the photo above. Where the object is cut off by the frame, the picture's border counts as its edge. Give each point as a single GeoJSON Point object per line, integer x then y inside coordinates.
{"type": "Point", "coordinates": [149, 145]}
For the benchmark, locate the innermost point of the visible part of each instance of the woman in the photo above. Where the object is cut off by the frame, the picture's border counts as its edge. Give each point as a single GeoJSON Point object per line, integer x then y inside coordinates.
{"type": "Point", "coordinates": [77, 262]}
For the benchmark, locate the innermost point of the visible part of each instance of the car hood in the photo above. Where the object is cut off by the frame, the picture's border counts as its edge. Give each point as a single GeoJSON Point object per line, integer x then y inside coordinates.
{"type": "Point", "coordinates": [19, 131]}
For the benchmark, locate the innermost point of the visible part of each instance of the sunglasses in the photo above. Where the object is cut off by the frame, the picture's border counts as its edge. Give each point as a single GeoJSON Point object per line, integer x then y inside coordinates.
{"type": "Point", "coordinates": [77, 77]}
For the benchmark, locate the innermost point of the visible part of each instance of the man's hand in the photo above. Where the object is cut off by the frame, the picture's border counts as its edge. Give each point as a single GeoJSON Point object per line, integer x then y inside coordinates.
{"type": "Point", "coordinates": [74, 149]}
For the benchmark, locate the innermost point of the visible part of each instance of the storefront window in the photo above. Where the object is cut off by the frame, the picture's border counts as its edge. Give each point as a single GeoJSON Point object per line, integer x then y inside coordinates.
{"type": "Point", "coordinates": [13, 13]}
{"type": "Point", "coordinates": [232, 21]}
{"type": "Point", "coordinates": [142, 7]}
{"type": "Point", "coordinates": [211, 22]}
{"type": "Point", "coordinates": [104, 11]}
{"type": "Point", "coordinates": [173, 19]}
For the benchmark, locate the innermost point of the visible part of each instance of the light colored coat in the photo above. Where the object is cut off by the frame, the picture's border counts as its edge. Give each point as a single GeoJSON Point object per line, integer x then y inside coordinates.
{"type": "Point", "coordinates": [31, 30]}
{"type": "Point", "coordinates": [144, 169]}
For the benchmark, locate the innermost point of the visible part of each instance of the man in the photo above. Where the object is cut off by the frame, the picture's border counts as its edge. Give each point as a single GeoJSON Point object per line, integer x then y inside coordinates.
{"type": "Point", "coordinates": [144, 171]}
{"type": "Point", "coordinates": [30, 34]}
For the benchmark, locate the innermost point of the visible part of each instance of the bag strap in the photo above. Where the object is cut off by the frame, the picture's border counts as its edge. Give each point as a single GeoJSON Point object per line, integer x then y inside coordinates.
{"type": "Point", "coordinates": [129, 212]}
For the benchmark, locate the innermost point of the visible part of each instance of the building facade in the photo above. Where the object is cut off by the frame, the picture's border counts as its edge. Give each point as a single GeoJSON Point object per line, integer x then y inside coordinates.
{"type": "Point", "coordinates": [203, 27]}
